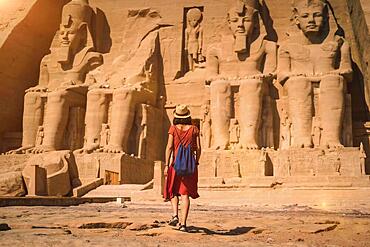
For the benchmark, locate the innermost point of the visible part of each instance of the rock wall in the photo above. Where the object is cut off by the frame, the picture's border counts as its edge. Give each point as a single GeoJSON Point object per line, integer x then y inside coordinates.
{"type": "Point", "coordinates": [26, 31]}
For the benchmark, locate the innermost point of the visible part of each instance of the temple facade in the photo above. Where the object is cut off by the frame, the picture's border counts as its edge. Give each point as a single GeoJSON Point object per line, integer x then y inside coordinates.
{"type": "Point", "coordinates": [279, 90]}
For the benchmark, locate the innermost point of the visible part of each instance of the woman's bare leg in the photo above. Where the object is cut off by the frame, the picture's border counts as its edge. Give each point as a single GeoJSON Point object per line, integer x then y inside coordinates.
{"type": "Point", "coordinates": [185, 201]}
{"type": "Point", "coordinates": [175, 205]}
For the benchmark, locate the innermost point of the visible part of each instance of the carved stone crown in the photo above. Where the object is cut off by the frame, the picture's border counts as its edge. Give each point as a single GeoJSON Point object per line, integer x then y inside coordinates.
{"type": "Point", "coordinates": [248, 3]}
{"type": "Point", "coordinates": [78, 10]}
{"type": "Point", "coordinates": [306, 3]}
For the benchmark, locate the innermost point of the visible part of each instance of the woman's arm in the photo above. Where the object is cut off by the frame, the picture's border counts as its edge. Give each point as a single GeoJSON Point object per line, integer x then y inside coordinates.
{"type": "Point", "coordinates": [169, 149]}
{"type": "Point", "coordinates": [198, 151]}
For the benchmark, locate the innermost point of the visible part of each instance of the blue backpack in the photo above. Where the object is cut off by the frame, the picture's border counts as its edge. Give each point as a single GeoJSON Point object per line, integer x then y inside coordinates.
{"type": "Point", "coordinates": [185, 163]}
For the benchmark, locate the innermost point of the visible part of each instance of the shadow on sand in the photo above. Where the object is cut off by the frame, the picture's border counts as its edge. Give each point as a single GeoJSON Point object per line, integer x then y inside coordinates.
{"type": "Point", "coordinates": [232, 232]}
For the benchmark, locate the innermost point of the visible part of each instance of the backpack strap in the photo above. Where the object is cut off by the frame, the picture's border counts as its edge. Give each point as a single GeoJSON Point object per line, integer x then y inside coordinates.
{"type": "Point", "coordinates": [181, 139]}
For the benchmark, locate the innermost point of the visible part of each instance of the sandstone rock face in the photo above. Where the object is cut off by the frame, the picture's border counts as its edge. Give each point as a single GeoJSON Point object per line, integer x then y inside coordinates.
{"type": "Point", "coordinates": [277, 89]}
{"type": "Point", "coordinates": [26, 31]}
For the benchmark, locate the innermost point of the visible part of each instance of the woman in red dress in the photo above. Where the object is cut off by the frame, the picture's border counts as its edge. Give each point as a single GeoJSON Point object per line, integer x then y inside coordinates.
{"type": "Point", "coordinates": [182, 131]}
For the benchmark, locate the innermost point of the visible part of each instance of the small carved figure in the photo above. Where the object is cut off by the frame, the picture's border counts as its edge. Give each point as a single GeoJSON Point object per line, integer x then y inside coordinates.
{"type": "Point", "coordinates": [206, 126]}
{"type": "Point", "coordinates": [194, 37]}
{"type": "Point", "coordinates": [104, 135]}
{"type": "Point", "coordinates": [143, 128]}
{"type": "Point", "coordinates": [40, 136]}
{"type": "Point", "coordinates": [286, 136]}
{"type": "Point", "coordinates": [316, 132]}
{"type": "Point", "coordinates": [234, 133]}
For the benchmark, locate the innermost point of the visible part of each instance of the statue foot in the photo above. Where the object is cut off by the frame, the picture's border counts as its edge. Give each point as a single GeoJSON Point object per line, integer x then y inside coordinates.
{"type": "Point", "coordinates": [112, 149]}
{"type": "Point", "coordinates": [250, 146]}
{"type": "Point", "coordinates": [220, 147]}
{"type": "Point", "coordinates": [40, 149]}
{"type": "Point", "coordinates": [302, 144]}
{"type": "Point", "coordinates": [333, 145]}
{"type": "Point", "coordinates": [21, 150]}
{"type": "Point", "coordinates": [87, 149]}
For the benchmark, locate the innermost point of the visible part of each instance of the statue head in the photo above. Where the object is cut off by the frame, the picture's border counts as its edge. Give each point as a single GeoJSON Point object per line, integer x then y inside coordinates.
{"type": "Point", "coordinates": [194, 17]}
{"type": "Point", "coordinates": [243, 20]}
{"type": "Point", "coordinates": [311, 16]}
{"type": "Point", "coordinates": [74, 30]}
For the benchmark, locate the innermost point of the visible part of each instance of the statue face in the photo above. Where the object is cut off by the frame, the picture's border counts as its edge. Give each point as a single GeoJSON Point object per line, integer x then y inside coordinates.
{"type": "Point", "coordinates": [193, 22]}
{"type": "Point", "coordinates": [311, 19]}
{"type": "Point", "coordinates": [70, 36]}
{"type": "Point", "coordinates": [240, 24]}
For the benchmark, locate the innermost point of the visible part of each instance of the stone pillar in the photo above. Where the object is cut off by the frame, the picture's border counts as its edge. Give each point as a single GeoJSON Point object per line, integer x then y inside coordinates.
{"type": "Point", "coordinates": [37, 183]}
{"type": "Point", "coordinates": [158, 180]}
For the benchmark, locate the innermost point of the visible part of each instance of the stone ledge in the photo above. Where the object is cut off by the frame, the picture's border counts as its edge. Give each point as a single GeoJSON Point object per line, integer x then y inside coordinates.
{"type": "Point", "coordinates": [85, 188]}
{"type": "Point", "coordinates": [53, 201]}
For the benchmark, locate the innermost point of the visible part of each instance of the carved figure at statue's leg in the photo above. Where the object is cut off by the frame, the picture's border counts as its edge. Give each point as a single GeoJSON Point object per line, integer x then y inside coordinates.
{"type": "Point", "coordinates": [32, 119]}
{"type": "Point", "coordinates": [123, 114]}
{"type": "Point", "coordinates": [96, 115]}
{"type": "Point", "coordinates": [300, 106]}
{"type": "Point", "coordinates": [56, 118]}
{"type": "Point", "coordinates": [220, 113]}
{"type": "Point", "coordinates": [249, 118]}
{"type": "Point", "coordinates": [331, 101]}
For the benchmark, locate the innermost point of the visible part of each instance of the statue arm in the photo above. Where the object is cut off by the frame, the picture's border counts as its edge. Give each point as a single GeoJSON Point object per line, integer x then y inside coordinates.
{"type": "Point", "coordinates": [345, 67]}
{"type": "Point", "coordinates": [43, 78]}
{"type": "Point", "coordinates": [200, 40]}
{"type": "Point", "coordinates": [271, 57]}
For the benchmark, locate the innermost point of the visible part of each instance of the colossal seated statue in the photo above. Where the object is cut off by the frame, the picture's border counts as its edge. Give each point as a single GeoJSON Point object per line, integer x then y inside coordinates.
{"type": "Point", "coordinates": [242, 58]}
{"type": "Point", "coordinates": [315, 54]}
{"type": "Point", "coordinates": [61, 83]}
{"type": "Point", "coordinates": [130, 82]}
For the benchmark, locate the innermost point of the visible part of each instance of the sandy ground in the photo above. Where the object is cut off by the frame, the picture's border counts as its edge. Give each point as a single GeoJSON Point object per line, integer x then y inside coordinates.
{"type": "Point", "coordinates": [144, 224]}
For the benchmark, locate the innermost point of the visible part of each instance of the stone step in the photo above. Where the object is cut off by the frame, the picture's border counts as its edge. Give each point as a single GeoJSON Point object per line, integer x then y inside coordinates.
{"type": "Point", "coordinates": [123, 190]}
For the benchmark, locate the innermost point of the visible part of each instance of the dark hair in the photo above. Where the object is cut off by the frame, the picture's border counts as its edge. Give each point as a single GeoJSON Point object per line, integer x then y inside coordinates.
{"type": "Point", "coordinates": [185, 121]}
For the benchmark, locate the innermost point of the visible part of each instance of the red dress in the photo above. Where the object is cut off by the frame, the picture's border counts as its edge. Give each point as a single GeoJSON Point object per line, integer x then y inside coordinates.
{"type": "Point", "coordinates": [178, 185]}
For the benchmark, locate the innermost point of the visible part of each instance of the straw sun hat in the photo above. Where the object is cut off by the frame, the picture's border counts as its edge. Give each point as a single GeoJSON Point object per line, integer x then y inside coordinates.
{"type": "Point", "coordinates": [181, 111]}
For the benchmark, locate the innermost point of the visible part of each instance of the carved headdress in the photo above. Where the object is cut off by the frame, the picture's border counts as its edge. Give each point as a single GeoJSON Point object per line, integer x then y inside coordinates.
{"type": "Point", "coordinates": [78, 10]}
{"type": "Point", "coordinates": [241, 5]}
{"type": "Point", "coordinates": [306, 3]}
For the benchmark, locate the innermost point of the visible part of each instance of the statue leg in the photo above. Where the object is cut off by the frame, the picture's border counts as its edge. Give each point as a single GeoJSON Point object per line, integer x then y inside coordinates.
{"type": "Point", "coordinates": [123, 114]}
{"type": "Point", "coordinates": [96, 115]}
{"type": "Point", "coordinates": [220, 113]}
{"type": "Point", "coordinates": [331, 107]}
{"type": "Point", "coordinates": [250, 112]}
{"type": "Point", "coordinates": [56, 118]}
{"type": "Point", "coordinates": [32, 119]}
{"type": "Point", "coordinates": [300, 104]}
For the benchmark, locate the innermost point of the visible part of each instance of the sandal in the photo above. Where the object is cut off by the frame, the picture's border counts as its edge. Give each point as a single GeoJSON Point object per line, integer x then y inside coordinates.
{"type": "Point", "coordinates": [174, 221]}
{"type": "Point", "coordinates": [183, 228]}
